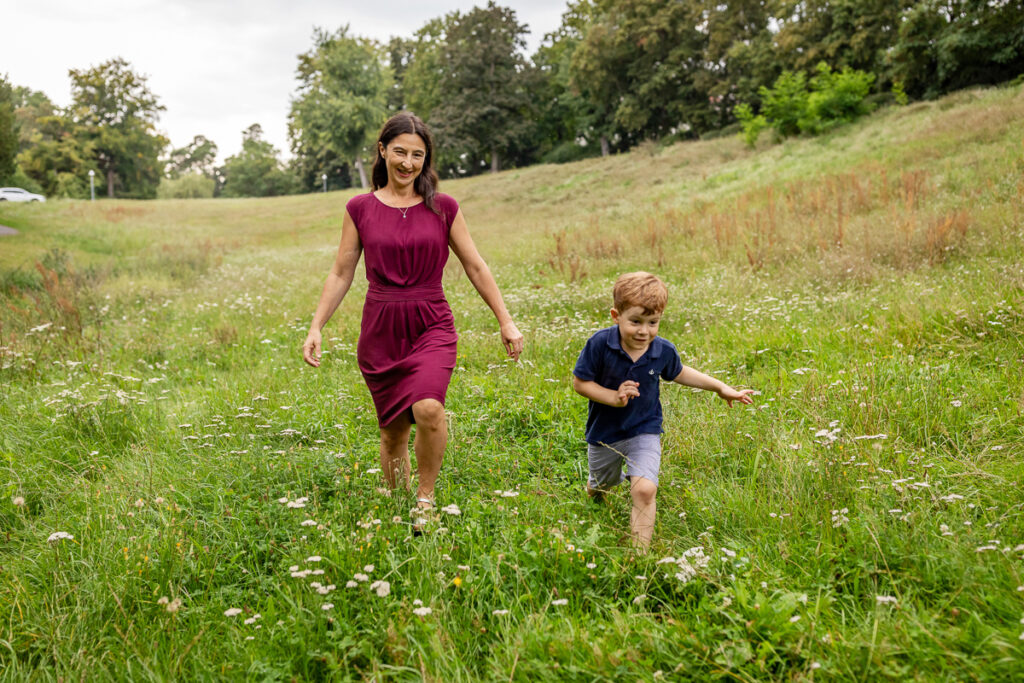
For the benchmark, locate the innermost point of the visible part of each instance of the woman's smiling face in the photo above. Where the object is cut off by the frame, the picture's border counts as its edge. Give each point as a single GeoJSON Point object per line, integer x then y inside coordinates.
{"type": "Point", "coordinates": [404, 157]}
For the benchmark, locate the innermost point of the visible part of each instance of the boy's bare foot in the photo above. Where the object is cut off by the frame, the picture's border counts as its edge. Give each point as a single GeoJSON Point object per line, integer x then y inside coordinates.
{"type": "Point", "coordinates": [596, 495]}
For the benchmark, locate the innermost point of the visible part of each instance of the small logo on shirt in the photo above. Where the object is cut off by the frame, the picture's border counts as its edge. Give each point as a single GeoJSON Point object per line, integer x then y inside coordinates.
{"type": "Point", "coordinates": [650, 372]}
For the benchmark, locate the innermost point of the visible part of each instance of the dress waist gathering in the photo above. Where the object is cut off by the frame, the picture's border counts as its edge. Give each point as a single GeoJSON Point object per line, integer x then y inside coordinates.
{"type": "Point", "coordinates": [381, 292]}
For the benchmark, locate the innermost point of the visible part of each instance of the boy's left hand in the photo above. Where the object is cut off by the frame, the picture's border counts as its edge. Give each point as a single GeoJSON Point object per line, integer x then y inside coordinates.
{"type": "Point", "coordinates": [729, 395]}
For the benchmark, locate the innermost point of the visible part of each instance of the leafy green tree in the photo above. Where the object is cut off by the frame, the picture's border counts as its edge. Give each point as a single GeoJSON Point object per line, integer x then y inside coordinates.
{"type": "Point", "coordinates": [342, 100]}
{"type": "Point", "coordinates": [29, 107]}
{"type": "Point", "coordinates": [117, 113]}
{"type": "Point", "coordinates": [198, 156]}
{"type": "Point", "coordinates": [567, 123]}
{"type": "Point", "coordinates": [8, 132]}
{"type": "Point", "coordinates": [945, 45]}
{"type": "Point", "coordinates": [417, 69]}
{"type": "Point", "coordinates": [641, 65]}
{"type": "Point", "coordinates": [256, 171]}
{"type": "Point", "coordinates": [844, 33]}
{"type": "Point", "coordinates": [57, 158]}
{"type": "Point", "coordinates": [740, 54]}
{"type": "Point", "coordinates": [486, 108]}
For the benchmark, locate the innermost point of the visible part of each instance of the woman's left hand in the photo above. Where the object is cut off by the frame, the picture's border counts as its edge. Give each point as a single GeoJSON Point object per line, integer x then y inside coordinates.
{"type": "Point", "coordinates": [512, 338]}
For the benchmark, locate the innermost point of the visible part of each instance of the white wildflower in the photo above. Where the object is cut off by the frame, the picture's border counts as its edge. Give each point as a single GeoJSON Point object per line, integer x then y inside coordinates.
{"type": "Point", "coordinates": [351, 584]}
{"type": "Point", "coordinates": [232, 612]}
{"type": "Point", "coordinates": [885, 600]}
{"type": "Point", "coordinates": [500, 612]}
{"type": "Point", "coordinates": [361, 577]}
{"type": "Point", "coordinates": [314, 558]}
{"type": "Point", "coordinates": [452, 509]}
{"type": "Point", "coordinates": [382, 588]}
{"type": "Point", "coordinates": [308, 522]}
{"type": "Point", "coordinates": [368, 569]}
{"type": "Point", "coordinates": [422, 611]}
{"type": "Point", "coordinates": [18, 501]}
{"type": "Point", "coordinates": [327, 606]}
{"type": "Point", "coordinates": [59, 535]}
{"type": "Point", "coordinates": [560, 601]}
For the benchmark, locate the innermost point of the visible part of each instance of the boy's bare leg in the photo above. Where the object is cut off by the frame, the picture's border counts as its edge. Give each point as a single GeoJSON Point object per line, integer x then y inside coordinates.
{"type": "Point", "coordinates": [641, 520]}
{"type": "Point", "coordinates": [431, 439]}
{"type": "Point", "coordinates": [394, 452]}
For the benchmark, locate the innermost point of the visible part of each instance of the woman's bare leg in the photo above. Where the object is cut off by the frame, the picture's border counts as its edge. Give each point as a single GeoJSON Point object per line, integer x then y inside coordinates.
{"type": "Point", "coordinates": [431, 439]}
{"type": "Point", "coordinates": [394, 452]}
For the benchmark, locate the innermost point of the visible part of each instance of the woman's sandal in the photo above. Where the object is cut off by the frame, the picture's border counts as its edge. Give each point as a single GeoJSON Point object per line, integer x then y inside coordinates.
{"type": "Point", "coordinates": [421, 515]}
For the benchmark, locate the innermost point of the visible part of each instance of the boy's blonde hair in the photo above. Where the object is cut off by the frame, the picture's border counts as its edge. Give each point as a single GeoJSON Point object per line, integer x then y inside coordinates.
{"type": "Point", "coordinates": [641, 289]}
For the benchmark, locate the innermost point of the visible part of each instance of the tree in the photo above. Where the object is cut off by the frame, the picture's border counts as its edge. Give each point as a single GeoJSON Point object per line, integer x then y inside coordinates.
{"type": "Point", "coordinates": [641, 65]}
{"type": "Point", "coordinates": [486, 109]}
{"type": "Point", "coordinates": [198, 156]}
{"type": "Point", "coordinates": [341, 102]}
{"type": "Point", "coordinates": [944, 45]}
{"type": "Point", "coordinates": [118, 115]}
{"type": "Point", "coordinates": [844, 33]}
{"type": "Point", "coordinates": [30, 106]}
{"type": "Point", "coordinates": [8, 132]}
{"type": "Point", "coordinates": [417, 67]}
{"type": "Point", "coordinates": [256, 171]}
{"type": "Point", "coordinates": [566, 122]}
{"type": "Point", "coordinates": [740, 55]}
{"type": "Point", "coordinates": [57, 157]}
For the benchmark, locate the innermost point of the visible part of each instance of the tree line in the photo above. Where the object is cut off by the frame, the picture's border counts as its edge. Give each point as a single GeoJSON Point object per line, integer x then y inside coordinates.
{"type": "Point", "coordinates": [614, 73]}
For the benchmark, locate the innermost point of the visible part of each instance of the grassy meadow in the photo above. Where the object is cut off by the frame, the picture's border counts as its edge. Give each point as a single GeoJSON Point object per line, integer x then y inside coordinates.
{"type": "Point", "coordinates": [863, 520]}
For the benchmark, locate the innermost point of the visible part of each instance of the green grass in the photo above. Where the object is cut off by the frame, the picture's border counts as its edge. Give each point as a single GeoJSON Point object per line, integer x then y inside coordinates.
{"type": "Point", "coordinates": [868, 284]}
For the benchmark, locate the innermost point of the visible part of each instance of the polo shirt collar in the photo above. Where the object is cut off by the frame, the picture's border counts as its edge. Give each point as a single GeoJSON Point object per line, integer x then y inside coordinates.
{"type": "Point", "coordinates": [654, 349]}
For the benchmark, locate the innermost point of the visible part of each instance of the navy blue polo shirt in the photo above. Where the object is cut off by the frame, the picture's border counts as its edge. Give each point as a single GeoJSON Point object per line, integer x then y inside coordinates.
{"type": "Point", "coordinates": [603, 361]}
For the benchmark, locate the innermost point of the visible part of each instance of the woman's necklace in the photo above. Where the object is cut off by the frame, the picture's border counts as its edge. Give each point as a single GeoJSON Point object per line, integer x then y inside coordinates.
{"type": "Point", "coordinates": [404, 210]}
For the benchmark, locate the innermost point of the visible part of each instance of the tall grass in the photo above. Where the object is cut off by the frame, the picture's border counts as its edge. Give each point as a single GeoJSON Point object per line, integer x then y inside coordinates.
{"type": "Point", "coordinates": [863, 520]}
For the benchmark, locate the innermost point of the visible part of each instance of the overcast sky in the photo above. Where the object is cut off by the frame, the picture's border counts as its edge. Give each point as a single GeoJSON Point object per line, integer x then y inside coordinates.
{"type": "Point", "coordinates": [218, 66]}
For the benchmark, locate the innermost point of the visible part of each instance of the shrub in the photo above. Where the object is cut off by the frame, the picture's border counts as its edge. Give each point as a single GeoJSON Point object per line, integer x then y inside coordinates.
{"type": "Point", "coordinates": [786, 103]}
{"type": "Point", "coordinates": [836, 98]}
{"type": "Point", "coordinates": [188, 186]}
{"type": "Point", "coordinates": [752, 125]}
{"type": "Point", "coordinates": [790, 108]}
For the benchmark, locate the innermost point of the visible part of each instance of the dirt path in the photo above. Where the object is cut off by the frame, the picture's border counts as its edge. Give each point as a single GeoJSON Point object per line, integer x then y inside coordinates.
{"type": "Point", "coordinates": [4, 230]}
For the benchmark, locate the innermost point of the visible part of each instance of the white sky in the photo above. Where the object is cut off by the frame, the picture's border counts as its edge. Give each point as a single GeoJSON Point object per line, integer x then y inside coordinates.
{"type": "Point", "coordinates": [218, 66]}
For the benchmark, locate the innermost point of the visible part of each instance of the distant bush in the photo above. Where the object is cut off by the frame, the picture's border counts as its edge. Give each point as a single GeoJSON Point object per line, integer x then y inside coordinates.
{"type": "Point", "coordinates": [188, 186]}
{"type": "Point", "coordinates": [790, 108]}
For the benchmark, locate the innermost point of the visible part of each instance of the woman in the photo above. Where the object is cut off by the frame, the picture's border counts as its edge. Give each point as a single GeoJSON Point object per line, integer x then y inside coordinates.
{"type": "Point", "coordinates": [407, 340]}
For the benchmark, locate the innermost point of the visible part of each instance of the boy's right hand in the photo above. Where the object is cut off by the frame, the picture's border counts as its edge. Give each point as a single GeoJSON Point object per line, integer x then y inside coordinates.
{"type": "Point", "coordinates": [627, 390]}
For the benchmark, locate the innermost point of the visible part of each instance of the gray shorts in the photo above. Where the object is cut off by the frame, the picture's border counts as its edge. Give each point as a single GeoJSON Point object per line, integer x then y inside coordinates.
{"type": "Point", "coordinates": [641, 453]}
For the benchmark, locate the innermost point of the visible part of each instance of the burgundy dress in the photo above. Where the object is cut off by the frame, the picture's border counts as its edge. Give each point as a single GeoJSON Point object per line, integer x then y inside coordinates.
{"type": "Point", "coordinates": [407, 340]}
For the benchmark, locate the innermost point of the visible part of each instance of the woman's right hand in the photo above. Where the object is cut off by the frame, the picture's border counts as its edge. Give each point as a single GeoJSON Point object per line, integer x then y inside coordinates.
{"type": "Point", "coordinates": [311, 348]}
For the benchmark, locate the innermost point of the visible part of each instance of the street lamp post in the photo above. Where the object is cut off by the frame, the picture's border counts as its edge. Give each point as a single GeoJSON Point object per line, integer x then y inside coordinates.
{"type": "Point", "coordinates": [323, 176]}
{"type": "Point", "coordinates": [92, 185]}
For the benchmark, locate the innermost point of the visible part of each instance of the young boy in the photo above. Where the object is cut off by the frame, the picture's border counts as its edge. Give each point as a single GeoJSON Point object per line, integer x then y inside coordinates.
{"type": "Point", "coordinates": [618, 370]}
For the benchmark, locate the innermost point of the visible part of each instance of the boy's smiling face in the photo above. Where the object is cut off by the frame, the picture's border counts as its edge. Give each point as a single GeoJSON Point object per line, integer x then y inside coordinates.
{"type": "Point", "coordinates": [637, 329]}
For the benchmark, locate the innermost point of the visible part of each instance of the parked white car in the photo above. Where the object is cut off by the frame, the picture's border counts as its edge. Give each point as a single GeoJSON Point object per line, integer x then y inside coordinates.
{"type": "Point", "coordinates": [16, 194]}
